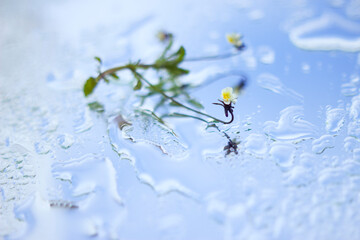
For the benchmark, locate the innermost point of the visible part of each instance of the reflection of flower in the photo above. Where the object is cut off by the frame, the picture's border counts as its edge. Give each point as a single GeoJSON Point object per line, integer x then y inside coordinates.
{"type": "Point", "coordinates": [232, 146]}
{"type": "Point", "coordinates": [228, 95]}
{"type": "Point", "coordinates": [235, 40]}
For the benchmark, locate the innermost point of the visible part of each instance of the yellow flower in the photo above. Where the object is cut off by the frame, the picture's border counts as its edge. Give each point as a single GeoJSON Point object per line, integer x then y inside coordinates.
{"type": "Point", "coordinates": [228, 95]}
{"type": "Point", "coordinates": [235, 39]}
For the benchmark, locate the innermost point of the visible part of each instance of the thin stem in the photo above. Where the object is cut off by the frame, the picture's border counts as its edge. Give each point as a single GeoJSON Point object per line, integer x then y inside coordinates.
{"type": "Point", "coordinates": [198, 118]}
{"type": "Point", "coordinates": [214, 57]}
{"type": "Point", "coordinates": [170, 43]}
{"type": "Point", "coordinates": [175, 114]}
{"type": "Point", "coordinates": [222, 131]}
{"type": "Point", "coordinates": [127, 66]}
{"type": "Point", "coordinates": [178, 103]}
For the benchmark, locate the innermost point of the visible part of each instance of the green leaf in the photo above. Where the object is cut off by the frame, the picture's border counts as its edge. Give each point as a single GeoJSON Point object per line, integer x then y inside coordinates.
{"type": "Point", "coordinates": [176, 71]}
{"type": "Point", "coordinates": [89, 86]}
{"type": "Point", "coordinates": [186, 116]}
{"type": "Point", "coordinates": [159, 119]}
{"type": "Point", "coordinates": [195, 103]}
{"type": "Point", "coordinates": [177, 57]}
{"type": "Point", "coordinates": [138, 85]}
{"type": "Point", "coordinates": [174, 104]}
{"type": "Point", "coordinates": [106, 80]}
{"type": "Point", "coordinates": [114, 75]}
{"type": "Point", "coordinates": [98, 59]}
{"type": "Point", "coordinates": [181, 54]}
{"type": "Point", "coordinates": [96, 106]}
{"type": "Point", "coordinates": [156, 88]}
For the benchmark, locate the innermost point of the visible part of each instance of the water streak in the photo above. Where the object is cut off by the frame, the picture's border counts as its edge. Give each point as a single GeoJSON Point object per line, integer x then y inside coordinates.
{"type": "Point", "coordinates": [273, 83]}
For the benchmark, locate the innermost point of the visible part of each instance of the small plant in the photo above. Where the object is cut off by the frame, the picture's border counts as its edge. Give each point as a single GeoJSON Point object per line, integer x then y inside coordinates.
{"type": "Point", "coordinates": [168, 88]}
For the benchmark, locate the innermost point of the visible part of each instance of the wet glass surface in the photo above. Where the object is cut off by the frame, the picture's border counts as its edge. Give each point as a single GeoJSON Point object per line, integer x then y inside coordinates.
{"type": "Point", "coordinates": [68, 172]}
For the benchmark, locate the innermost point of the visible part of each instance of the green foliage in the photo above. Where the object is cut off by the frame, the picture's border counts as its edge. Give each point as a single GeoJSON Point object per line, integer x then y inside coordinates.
{"type": "Point", "coordinates": [177, 57]}
{"type": "Point", "coordinates": [175, 104]}
{"type": "Point", "coordinates": [138, 85]}
{"type": "Point", "coordinates": [170, 63]}
{"type": "Point", "coordinates": [96, 106]}
{"type": "Point", "coordinates": [138, 79]}
{"type": "Point", "coordinates": [167, 90]}
{"type": "Point", "coordinates": [98, 59]}
{"type": "Point", "coordinates": [114, 76]}
{"type": "Point", "coordinates": [89, 86]}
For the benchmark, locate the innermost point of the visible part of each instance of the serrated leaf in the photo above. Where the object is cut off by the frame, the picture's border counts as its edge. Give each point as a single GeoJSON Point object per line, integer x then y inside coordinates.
{"type": "Point", "coordinates": [98, 59]}
{"type": "Point", "coordinates": [89, 86]}
{"type": "Point", "coordinates": [138, 85]}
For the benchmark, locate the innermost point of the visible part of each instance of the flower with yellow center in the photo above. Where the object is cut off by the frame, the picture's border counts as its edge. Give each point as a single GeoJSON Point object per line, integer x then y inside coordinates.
{"type": "Point", "coordinates": [228, 95]}
{"type": "Point", "coordinates": [234, 39]}
{"type": "Point", "coordinates": [163, 36]}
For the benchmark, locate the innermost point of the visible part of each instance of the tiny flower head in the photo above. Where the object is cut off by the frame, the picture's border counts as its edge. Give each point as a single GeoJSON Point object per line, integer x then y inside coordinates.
{"type": "Point", "coordinates": [228, 98]}
{"type": "Point", "coordinates": [163, 36]}
{"type": "Point", "coordinates": [228, 95]}
{"type": "Point", "coordinates": [235, 40]}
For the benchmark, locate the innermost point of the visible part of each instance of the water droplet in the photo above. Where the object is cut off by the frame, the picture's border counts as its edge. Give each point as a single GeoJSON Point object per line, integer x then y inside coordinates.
{"type": "Point", "coordinates": [283, 154]}
{"type": "Point", "coordinates": [353, 9]}
{"type": "Point", "coordinates": [350, 143]}
{"type": "Point", "coordinates": [145, 128]}
{"type": "Point", "coordinates": [348, 89]}
{"type": "Point", "coordinates": [321, 144]}
{"type": "Point", "coordinates": [166, 186]}
{"type": "Point", "coordinates": [266, 54]}
{"type": "Point", "coordinates": [305, 67]}
{"type": "Point", "coordinates": [355, 79]}
{"type": "Point", "coordinates": [354, 129]}
{"type": "Point", "coordinates": [83, 122]}
{"type": "Point", "coordinates": [356, 154]}
{"type": "Point", "coordinates": [298, 176]}
{"type": "Point", "coordinates": [42, 148]}
{"type": "Point", "coordinates": [256, 14]}
{"type": "Point", "coordinates": [355, 108]}
{"type": "Point", "coordinates": [290, 126]}
{"type": "Point", "coordinates": [335, 118]}
{"type": "Point", "coordinates": [65, 140]}
{"type": "Point", "coordinates": [256, 144]}
{"type": "Point", "coordinates": [325, 42]}
{"type": "Point", "coordinates": [273, 83]}
{"type": "Point", "coordinates": [330, 176]}
{"type": "Point", "coordinates": [84, 188]}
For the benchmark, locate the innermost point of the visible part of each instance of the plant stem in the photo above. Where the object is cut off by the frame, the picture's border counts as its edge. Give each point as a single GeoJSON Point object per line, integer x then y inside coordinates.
{"type": "Point", "coordinates": [180, 104]}
{"type": "Point", "coordinates": [214, 57]}
{"type": "Point", "coordinates": [127, 66]}
{"type": "Point", "coordinates": [133, 67]}
{"type": "Point", "coordinates": [147, 66]}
